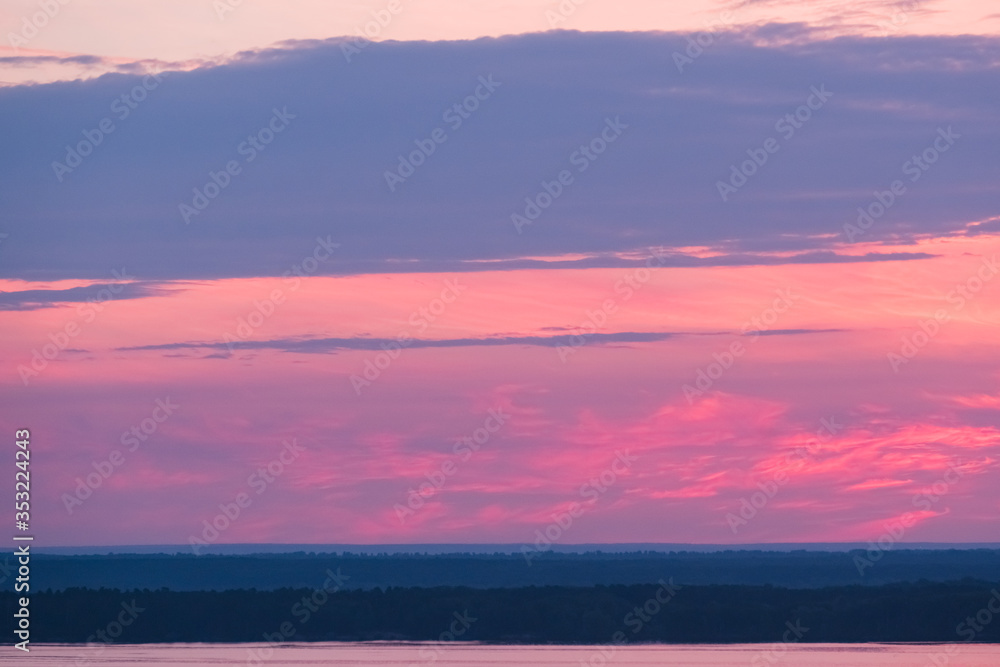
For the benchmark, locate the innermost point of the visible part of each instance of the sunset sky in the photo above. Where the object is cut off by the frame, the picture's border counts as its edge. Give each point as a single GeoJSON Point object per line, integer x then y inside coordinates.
{"type": "Point", "coordinates": [714, 287]}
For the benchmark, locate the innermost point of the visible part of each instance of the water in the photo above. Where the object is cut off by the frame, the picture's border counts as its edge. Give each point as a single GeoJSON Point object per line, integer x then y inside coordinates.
{"type": "Point", "coordinates": [399, 654]}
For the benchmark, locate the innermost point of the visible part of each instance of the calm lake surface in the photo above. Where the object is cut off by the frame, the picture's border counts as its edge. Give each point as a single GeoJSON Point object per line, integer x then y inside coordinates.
{"type": "Point", "coordinates": [396, 654]}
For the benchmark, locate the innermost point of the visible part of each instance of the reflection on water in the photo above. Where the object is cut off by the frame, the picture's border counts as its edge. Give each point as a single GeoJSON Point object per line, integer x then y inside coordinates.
{"type": "Point", "coordinates": [398, 654]}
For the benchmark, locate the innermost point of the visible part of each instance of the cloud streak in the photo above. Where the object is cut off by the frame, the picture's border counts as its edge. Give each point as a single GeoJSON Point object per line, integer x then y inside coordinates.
{"type": "Point", "coordinates": [50, 298]}
{"type": "Point", "coordinates": [328, 345]}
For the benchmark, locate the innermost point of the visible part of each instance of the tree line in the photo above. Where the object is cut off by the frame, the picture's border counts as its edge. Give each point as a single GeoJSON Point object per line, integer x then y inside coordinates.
{"type": "Point", "coordinates": [668, 611]}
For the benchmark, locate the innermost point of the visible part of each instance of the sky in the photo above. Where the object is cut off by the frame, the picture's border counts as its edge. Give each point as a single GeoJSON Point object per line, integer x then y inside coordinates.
{"type": "Point", "coordinates": [602, 272]}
